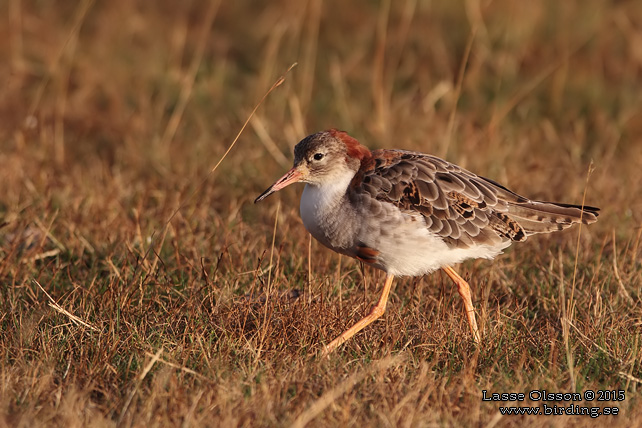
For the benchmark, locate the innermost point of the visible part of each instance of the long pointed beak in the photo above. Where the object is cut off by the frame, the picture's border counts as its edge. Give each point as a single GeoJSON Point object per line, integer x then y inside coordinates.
{"type": "Point", "coordinates": [292, 176]}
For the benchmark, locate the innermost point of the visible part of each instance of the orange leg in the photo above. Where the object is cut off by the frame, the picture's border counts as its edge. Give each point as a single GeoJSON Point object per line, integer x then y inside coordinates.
{"type": "Point", "coordinates": [464, 291]}
{"type": "Point", "coordinates": [375, 313]}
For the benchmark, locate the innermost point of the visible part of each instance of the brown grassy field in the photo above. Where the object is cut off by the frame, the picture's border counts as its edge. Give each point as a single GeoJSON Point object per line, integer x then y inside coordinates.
{"type": "Point", "coordinates": [140, 287]}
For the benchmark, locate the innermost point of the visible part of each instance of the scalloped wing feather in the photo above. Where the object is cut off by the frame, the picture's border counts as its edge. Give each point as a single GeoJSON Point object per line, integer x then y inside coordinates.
{"type": "Point", "coordinates": [464, 209]}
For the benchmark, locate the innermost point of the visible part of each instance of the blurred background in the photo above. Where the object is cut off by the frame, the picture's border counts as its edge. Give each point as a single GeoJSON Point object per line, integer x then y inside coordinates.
{"type": "Point", "coordinates": [523, 92]}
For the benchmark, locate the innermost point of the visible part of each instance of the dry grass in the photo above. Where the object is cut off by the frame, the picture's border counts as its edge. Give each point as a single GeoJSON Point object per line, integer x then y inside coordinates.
{"type": "Point", "coordinates": [112, 114]}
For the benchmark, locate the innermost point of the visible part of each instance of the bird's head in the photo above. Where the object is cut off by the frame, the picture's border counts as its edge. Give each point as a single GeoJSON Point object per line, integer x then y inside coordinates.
{"type": "Point", "coordinates": [322, 158]}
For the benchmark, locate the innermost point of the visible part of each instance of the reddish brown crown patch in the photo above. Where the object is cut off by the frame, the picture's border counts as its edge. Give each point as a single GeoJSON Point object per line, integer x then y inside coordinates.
{"type": "Point", "coordinates": [354, 148]}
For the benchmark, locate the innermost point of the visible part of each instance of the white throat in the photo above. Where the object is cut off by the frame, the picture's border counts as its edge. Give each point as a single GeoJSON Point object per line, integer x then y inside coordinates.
{"type": "Point", "coordinates": [321, 204]}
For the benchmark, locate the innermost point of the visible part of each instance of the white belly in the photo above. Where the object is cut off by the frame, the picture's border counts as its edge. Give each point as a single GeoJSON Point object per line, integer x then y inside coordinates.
{"type": "Point", "coordinates": [413, 251]}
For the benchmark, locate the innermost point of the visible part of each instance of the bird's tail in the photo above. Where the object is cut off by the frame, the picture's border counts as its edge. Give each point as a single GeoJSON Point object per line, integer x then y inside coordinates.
{"type": "Point", "coordinates": [542, 217]}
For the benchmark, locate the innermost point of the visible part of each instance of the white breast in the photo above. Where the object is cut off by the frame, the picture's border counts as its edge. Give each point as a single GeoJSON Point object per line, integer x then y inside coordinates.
{"type": "Point", "coordinates": [327, 214]}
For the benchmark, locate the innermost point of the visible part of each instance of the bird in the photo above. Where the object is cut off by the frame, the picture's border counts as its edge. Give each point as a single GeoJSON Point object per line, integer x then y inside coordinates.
{"type": "Point", "coordinates": [409, 213]}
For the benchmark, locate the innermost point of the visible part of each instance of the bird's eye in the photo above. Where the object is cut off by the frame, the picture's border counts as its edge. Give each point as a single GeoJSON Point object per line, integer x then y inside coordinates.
{"type": "Point", "coordinates": [318, 156]}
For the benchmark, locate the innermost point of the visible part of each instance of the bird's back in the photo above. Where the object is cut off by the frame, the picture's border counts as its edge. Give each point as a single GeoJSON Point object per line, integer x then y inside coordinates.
{"type": "Point", "coordinates": [463, 209]}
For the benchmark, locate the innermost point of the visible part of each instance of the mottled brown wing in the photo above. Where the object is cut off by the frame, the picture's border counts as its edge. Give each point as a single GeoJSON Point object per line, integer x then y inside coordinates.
{"type": "Point", "coordinates": [464, 208]}
{"type": "Point", "coordinates": [459, 206]}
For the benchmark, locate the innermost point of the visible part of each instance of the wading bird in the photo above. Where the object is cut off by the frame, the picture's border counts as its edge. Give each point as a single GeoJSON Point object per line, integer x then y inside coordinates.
{"type": "Point", "coordinates": [409, 213]}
